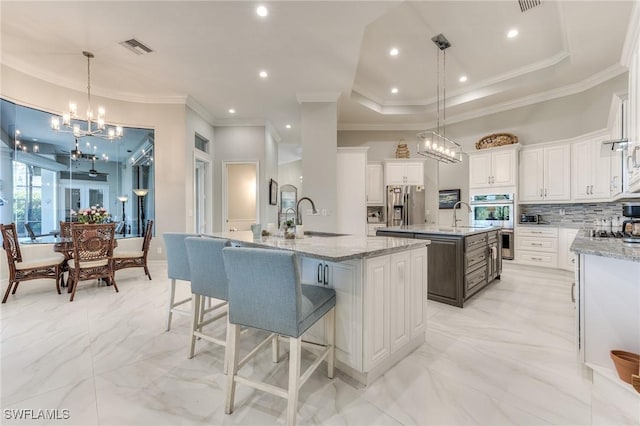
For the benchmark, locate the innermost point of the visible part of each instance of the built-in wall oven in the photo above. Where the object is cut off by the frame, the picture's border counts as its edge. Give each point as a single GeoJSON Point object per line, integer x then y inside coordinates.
{"type": "Point", "coordinates": [495, 210]}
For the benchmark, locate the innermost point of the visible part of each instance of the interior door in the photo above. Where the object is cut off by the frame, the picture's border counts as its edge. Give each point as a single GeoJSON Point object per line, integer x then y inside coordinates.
{"type": "Point", "coordinates": [241, 196]}
{"type": "Point", "coordinates": [202, 198]}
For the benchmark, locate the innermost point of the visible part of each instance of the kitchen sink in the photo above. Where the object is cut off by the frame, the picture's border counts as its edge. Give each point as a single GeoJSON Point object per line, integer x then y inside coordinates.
{"type": "Point", "coordinates": [322, 234]}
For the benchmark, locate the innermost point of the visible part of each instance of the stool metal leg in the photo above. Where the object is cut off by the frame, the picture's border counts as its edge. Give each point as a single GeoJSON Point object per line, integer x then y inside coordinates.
{"type": "Point", "coordinates": [295, 348]}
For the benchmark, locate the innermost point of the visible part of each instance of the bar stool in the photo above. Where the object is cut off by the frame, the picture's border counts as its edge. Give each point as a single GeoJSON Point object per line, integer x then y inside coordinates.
{"type": "Point", "coordinates": [265, 293]}
{"type": "Point", "coordinates": [208, 279]}
{"type": "Point", "coordinates": [177, 269]}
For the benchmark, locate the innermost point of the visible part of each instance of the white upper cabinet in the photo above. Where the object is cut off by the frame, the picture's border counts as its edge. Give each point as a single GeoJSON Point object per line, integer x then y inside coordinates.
{"type": "Point", "coordinates": [375, 184]}
{"type": "Point", "coordinates": [633, 114]}
{"type": "Point", "coordinates": [591, 170]}
{"type": "Point", "coordinates": [401, 172]}
{"type": "Point", "coordinates": [545, 174]}
{"type": "Point", "coordinates": [492, 167]}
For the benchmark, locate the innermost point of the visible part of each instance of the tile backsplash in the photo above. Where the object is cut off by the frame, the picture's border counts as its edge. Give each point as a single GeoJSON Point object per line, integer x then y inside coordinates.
{"type": "Point", "coordinates": [573, 215]}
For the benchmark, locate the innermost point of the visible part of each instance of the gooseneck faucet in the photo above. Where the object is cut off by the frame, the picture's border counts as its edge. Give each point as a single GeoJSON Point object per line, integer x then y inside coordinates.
{"type": "Point", "coordinates": [299, 214]}
{"type": "Point", "coordinates": [456, 220]}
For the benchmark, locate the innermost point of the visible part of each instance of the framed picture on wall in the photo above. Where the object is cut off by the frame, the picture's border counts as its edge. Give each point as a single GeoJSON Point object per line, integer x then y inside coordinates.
{"type": "Point", "coordinates": [273, 192]}
{"type": "Point", "coordinates": [447, 198]}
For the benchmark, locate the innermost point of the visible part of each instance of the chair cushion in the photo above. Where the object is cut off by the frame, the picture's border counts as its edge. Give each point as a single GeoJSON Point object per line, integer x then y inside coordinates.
{"type": "Point", "coordinates": [316, 302]}
{"type": "Point", "coordinates": [39, 263]}
{"type": "Point", "coordinates": [127, 254]}
{"type": "Point", "coordinates": [94, 264]}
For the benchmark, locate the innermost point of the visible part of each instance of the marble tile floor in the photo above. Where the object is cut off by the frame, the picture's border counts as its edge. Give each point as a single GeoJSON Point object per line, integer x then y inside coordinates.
{"type": "Point", "coordinates": [507, 358]}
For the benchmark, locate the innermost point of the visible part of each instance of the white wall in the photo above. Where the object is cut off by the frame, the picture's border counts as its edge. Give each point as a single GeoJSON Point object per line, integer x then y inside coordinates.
{"type": "Point", "coordinates": [167, 121]}
{"type": "Point", "coordinates": [289, 174]}
{"type": "Point", "coordinates": [249, 143]}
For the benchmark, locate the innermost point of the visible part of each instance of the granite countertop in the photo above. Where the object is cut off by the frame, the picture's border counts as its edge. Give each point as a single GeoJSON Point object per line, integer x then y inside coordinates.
{"type": "Point", "coordinates": [333, 249]}
{"type": "Point", "coordinates": [606, 247]}
{"type": "Point", "coordinates": [440, 230]}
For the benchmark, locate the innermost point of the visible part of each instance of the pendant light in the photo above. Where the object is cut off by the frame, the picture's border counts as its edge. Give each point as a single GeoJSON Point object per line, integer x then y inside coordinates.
{"type": "Point", "coordinates": [434, 143]}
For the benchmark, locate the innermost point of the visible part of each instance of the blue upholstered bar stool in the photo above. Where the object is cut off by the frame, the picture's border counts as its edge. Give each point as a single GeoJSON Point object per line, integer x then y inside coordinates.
{"type": "Point", "coordinates": [208, 279]}
{"type": "Point", "coordinates": [265, 293]}
{"type": "Point", "coordinates": [177, 269]}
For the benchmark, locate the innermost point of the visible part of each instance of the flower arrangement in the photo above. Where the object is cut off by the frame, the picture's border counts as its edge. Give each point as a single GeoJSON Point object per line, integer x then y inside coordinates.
{"type": "Point", "coordinates": [93, 214]}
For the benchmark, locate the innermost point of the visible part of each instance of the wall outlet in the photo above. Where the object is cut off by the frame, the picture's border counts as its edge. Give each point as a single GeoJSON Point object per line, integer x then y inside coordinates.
{"type": "Point", "coordinates": [159, 250]}
{"type": "Point", "coordinates": [561, 212]}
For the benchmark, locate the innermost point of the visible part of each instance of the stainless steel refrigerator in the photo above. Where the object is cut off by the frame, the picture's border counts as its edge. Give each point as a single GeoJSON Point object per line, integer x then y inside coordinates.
{"type": "Point", "coordinates": [405, 205]}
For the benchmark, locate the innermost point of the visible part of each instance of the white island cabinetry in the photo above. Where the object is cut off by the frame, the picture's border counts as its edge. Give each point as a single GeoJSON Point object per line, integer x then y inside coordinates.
{"type": "Point", "coordinates": [380, 308]}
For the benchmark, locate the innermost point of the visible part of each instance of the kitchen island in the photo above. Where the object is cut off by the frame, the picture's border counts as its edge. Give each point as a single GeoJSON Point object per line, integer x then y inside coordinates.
{"type": "Point", "coordinates": [380, 285]}
{"type": "Point", "coordinates": [462, 260]}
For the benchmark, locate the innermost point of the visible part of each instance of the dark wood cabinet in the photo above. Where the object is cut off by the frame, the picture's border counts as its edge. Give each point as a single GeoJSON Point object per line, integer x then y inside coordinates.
{"type": "Point", "coordinates": [459, 266]}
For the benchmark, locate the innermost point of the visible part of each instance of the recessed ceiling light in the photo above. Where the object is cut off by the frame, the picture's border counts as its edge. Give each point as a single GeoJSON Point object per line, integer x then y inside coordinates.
{"type": "Point", "coordinates": [232, 111]}
{"type": "Point", "coordinates": [462, 79]}
{"type": "Point", "coordinates": [263, 74]}
{"type": "Point", "coordinates": [288, 126]}
{"type": "Point", "coordinates": [394, 90]}
{"type": "Point", "coordinates": [512, 33]}
{"type": "Point", "coordinates": [394, 51]}
{"type": "Point", "coordinates": [262, 11]}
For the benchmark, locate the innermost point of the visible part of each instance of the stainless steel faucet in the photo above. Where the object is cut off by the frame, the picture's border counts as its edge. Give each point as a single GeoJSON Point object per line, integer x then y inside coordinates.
{"type": "Point", "coordinates": [299, 213]}
{"type": "Point", "coordinates": [456, 220]}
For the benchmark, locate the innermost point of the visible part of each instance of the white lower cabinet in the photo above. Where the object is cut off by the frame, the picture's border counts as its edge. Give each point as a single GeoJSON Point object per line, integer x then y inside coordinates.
{"type": "Point", "coordinates": [566, 258]}
{"type": "Point", "coordinates": [395, 303]}
{"type": "Point", "coordinates": [346, 279]}
{"type": "Point", "coordinates": [537, 246]}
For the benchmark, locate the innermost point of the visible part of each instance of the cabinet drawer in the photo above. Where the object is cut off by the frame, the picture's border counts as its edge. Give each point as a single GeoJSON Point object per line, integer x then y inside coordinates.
{"type": "Point", "coordinates": [475, 241]}
{"type": "Point", "coordinates": [537, 258]}
{"type": "Point", "coordinates": [474, 258]}
{"type": "Point", "coordinates": [475, 279]}
{"type": "Point", "coordinates": [492, 237]}
{"type": "Point", "coordinates": [538, 244]}
{"type": "Point", "coordinates": [537, 232]}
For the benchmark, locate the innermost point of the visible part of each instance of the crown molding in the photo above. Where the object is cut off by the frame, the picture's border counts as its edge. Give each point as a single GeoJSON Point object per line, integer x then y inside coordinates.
{"type": "Point", "coordinates": [632, 37]}
{"type": "Point", "coordinates": [248, 122]}
{"type": "Point", "coordinates": [200, 110]}
{"type": "Point", "coordinates": [571, 89]}
{"type": "Point", "coordinates": [57, 80]}
{"type": "Point", "coordinates": [411, 107]}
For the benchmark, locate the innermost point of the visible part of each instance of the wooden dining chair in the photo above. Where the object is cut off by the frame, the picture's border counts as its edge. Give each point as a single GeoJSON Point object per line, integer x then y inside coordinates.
{"type": "Point", "coordinates": [23, 270]}
{"type": "Point", "coordinates": [135, 259]}
{"type": "Point", "coordinates": [92, 254]}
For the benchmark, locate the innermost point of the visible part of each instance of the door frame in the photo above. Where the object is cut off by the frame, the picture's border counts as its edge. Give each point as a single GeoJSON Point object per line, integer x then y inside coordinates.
{"type": "Point", "coordinates": [207, 161]}
{"type": "Point", "coordinates": [225, 189]}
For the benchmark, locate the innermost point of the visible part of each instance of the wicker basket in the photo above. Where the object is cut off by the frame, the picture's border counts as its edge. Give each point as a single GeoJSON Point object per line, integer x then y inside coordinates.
{"type": "Point", "coordinates": [402, 151]}
{"type": "Point", "coordinates": [627, 364]}
{"type": "Point", "coordinates": [496, 139]}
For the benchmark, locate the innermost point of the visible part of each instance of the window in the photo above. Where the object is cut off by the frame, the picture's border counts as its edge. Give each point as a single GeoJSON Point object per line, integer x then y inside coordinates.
{"type": "Point", "coordinates": [43, 182]}
{"type": "Point", "coordinates": [201, 143]}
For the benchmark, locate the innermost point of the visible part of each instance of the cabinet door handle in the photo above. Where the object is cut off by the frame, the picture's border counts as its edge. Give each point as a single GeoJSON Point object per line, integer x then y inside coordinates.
{"type": "Point", "coordinates": [488, 179]}
{"type": "Point", "coordinates": [540, 192]}
{"type": "Point", "coordinates": [536, 244]}
{"type": "Point", "coordinates": [573, 295]}
{"type": "Point", "coordinates": [319, 272]}
{"type": "Point", "coordinates": [326, 275]}
{"type": "Point", "coordinates": [591, 189]}
{"type": "Point", "coordinates": [545, 192]}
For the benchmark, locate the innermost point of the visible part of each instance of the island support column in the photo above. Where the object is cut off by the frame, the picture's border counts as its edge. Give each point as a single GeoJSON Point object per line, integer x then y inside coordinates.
{"type": "Point", "coordinates": [319, 159]}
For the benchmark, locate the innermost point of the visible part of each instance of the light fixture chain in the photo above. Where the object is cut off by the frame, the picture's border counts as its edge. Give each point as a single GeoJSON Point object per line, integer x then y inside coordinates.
{"type": "Point", "coordinates": [444, 92]}
{"type": "Point", "coordinates": [89, 92]}
{"type": "Point", "coordinates": [438, 92]}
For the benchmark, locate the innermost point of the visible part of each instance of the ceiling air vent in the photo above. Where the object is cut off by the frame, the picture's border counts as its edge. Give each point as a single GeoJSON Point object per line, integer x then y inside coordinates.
{"type": "Point", "coordinates": [528, 4]}
{"type": "Point", "coordinates": [136, 47]}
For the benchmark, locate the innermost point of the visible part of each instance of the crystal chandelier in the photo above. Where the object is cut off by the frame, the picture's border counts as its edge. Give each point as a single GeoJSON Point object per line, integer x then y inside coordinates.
{"type": "Point", "coordinates": [433, 143]}
{"type": "Point", "coordinates": [95, 125]}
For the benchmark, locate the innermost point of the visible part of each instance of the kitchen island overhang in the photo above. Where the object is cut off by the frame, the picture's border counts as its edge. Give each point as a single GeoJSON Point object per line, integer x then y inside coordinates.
{"type": "Point", "coordinates": [381, 290]}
